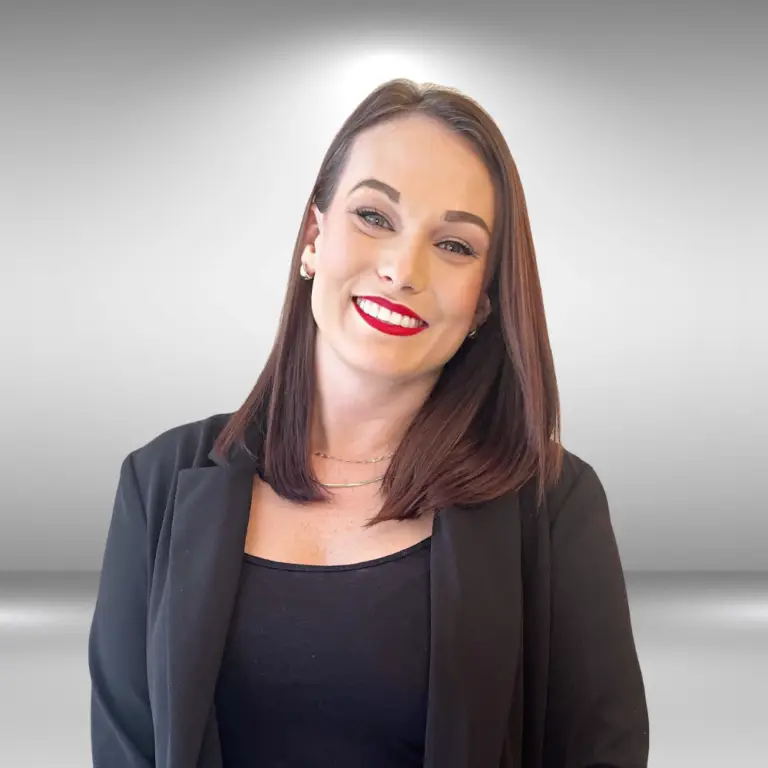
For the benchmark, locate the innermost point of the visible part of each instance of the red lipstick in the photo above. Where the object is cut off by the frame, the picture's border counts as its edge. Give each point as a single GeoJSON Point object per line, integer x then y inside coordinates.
{"type": "Point", "coordinates": [393, 307]}
{"type": "Point", "coordinates": [390, 328]}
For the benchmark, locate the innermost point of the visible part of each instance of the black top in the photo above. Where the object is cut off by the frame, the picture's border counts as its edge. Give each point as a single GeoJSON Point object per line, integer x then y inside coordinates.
{"type": "Point", "coordinates": [327, 665]}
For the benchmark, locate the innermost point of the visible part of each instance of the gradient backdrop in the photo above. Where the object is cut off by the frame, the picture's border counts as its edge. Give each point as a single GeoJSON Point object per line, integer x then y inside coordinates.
{"type": "Point", "coordinates": [155, 159]}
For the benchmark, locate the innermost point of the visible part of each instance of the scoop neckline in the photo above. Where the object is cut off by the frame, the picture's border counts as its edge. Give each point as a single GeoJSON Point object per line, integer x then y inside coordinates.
{"type": "Point", "coordinates": [282, 566]}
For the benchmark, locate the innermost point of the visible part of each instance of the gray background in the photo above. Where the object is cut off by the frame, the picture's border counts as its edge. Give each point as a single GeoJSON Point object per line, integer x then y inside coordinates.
{"type": "Point", "coordinates": [155, 159]}
{"type": "Point", "coordinates": [155, 163]}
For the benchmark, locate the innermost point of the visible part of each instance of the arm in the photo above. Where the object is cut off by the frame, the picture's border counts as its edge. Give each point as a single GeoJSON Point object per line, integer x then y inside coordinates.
{"type": "Point", "coordinates": [122, 733]}
{"type": "Point", "coordinates": [597, 715]}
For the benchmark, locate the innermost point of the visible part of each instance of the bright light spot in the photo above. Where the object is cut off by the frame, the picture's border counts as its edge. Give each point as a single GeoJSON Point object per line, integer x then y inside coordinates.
{"type": "Point", "coordinates": [14, 617]}
{"type": "Point", "coordinates": [361, 69]}
{"type": "Point", "coordinates": [742, 612]}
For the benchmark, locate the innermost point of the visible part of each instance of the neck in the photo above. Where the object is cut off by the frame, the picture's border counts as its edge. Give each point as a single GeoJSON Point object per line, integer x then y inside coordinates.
{"type": "Point", "coordinates": [359, 416]}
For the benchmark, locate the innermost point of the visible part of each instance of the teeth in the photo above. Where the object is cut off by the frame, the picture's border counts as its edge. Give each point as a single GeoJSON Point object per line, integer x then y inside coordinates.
{"type": "Point", "coordinates": [385, 315]}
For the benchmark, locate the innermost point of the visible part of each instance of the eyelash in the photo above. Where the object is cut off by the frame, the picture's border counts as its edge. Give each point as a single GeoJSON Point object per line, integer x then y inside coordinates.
{"type": "Point", "coordinates": [363, 212]}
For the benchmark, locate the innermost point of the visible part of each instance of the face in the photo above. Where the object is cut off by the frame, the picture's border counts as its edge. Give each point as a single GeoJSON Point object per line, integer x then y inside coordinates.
{"type": "Point", "coordinates": [409, 230]}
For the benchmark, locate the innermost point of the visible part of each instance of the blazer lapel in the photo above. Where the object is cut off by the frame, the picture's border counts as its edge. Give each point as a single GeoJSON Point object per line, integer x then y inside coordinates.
{"type": "Point", "coordinates": [476, 633]}
{"type": "Point", "coordinates": [206, 552]}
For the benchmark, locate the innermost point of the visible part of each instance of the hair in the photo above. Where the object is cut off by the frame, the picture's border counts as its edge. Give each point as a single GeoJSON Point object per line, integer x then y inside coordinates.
{"type": "Point", "coordinates": [492, 420]}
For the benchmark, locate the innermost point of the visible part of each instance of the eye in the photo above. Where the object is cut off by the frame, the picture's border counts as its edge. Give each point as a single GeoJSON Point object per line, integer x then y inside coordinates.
{"type": "Point", "coordinates": [464, 248]}
{"type": "Point", "coordinates": [366, 214]}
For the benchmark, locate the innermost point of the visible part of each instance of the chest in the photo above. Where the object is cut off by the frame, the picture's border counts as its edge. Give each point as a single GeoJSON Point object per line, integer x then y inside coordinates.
{"type": "Point", "coordinates": [330, 533]}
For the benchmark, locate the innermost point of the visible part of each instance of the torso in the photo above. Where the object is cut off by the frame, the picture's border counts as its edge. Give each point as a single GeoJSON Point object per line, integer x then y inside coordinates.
{"type": "Point", "coordinates": [326, 533]}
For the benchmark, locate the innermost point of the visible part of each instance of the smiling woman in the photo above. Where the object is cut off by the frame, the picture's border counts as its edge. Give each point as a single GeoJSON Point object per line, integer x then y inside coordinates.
{"type": "Point", "coordinates": [417, 212]}
{"type": "Point", "coordinates": [384, 557]}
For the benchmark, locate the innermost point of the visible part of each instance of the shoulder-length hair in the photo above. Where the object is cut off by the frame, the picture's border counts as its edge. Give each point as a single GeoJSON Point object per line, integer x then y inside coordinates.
{"type": "Point", "coordinates": [491, 422]}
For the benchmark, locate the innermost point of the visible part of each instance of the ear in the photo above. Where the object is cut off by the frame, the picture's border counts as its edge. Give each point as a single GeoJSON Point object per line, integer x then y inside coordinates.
{"type": "Point", "coordinates": [312, 238]}
{"type": "Point", "coordinates": [483, 310]}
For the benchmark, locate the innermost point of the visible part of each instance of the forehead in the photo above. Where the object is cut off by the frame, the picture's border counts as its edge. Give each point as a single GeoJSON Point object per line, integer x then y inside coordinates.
{"type": "Point", "coordinates": [430, 166]}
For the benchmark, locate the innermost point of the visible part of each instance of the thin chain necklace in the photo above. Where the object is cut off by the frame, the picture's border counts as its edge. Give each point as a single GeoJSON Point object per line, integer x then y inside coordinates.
{"type": "Point", "coordinates": [352, 485]}
{"type": "Point", "coordinates": [353, 461]}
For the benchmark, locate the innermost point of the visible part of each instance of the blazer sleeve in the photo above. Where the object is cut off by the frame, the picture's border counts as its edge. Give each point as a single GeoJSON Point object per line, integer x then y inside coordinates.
{"type": "Point", "coordinates": [596, 706]}
{"type": "Point", "coordinates": [121, 719]}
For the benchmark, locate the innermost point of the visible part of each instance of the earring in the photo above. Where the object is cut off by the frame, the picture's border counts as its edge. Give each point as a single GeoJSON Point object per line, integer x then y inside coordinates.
{"type": "Point", "coordinates": [303, 272]}
{"type": "Point", "coordinates": [472, 333]}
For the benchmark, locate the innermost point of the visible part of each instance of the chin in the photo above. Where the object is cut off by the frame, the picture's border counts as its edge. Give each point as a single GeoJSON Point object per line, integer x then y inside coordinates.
{"type": "Point", "coordinates": [388, 361]}
{"type": "Point", "coordinates": [383, 370]}
{"type": "Point", "coordinates": [382, 366]}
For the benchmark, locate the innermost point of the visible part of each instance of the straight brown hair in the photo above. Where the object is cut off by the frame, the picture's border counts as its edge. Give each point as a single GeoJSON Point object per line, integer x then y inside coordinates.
{"type": "Point", "coordinates": [492, 421]}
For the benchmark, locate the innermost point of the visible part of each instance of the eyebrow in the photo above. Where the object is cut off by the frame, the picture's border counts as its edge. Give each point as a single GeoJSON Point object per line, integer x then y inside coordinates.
{"type": "Point", "coordinates": [394, 196]}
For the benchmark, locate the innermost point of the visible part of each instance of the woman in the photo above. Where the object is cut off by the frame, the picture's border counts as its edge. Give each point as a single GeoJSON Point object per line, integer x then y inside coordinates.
{"type": "Point", "coordinates": [384, 557]}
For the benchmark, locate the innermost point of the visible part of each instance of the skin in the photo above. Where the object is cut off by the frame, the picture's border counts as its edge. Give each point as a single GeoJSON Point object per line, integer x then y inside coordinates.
{"type": "Point", "coordinates": [370, 384]}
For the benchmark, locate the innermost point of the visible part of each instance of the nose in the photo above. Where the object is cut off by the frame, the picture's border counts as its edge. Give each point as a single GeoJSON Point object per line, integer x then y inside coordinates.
{"type": "Point", "coordinates": [405, 266]}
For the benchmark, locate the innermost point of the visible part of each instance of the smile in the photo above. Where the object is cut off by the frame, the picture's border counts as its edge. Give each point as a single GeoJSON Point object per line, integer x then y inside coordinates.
{"type": "Point", "coordinates": [387, 321]}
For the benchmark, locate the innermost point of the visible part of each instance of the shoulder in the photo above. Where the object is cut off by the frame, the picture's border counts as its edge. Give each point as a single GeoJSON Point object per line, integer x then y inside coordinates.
{"type": "Point", "coordinates": [158, 461]}
{"type": "Point", "coordinates": [188, 443]}
{"type": "Point", "coordinates": [577, 485]}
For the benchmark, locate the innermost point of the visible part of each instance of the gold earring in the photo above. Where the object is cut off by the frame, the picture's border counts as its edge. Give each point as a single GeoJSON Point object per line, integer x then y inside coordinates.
{"type": "Point", "coordinates": [303, 272]}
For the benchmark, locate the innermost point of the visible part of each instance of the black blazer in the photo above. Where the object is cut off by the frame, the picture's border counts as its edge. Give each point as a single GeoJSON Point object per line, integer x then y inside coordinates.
{"type": "Point", "coordinates": [533, 661]}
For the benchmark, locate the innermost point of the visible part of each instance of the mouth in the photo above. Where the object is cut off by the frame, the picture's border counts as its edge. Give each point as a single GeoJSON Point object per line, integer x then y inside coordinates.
{"type": "Point", "coordinates": [384, 316]}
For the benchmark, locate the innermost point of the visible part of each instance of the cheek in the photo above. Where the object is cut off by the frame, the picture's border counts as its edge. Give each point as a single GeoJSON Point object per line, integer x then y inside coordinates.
{"type": "Point", "coordinates": [343, 256]}
{"type": "Point", "coordinates": [460, 299]}
{"type": "Point", "coordinates": [338, 266]}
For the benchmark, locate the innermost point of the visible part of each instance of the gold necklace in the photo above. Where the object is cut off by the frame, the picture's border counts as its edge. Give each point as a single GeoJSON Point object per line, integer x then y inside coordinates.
{"type": "Point", "coordinates": [351, 485]}
{"type": "Point", "coordinates": [354, 461]}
